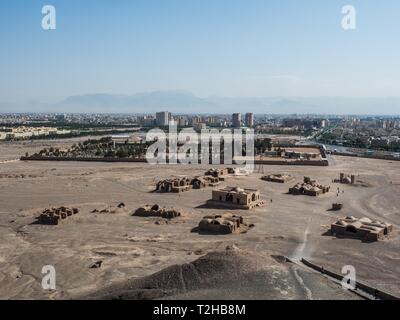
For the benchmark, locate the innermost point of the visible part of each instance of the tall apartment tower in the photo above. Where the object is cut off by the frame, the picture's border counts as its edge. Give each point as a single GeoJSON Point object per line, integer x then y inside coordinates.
{"type": "Point", "coordinates": [236, 120]}
{"type": "Point", "coordinates": [249, 119]}
{"type": "Point", "coordinates": [162, 118]}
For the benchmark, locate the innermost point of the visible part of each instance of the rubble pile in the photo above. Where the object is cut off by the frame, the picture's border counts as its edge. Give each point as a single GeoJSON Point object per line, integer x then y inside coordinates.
{"type": "Point", "coordinates": [120, 208]}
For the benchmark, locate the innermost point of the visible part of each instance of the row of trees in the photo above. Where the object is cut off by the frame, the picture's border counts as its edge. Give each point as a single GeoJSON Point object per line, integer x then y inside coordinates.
{"type": "Point", "coordinates": [102, 148]}
{"type": "Point", "coordinates": [105, 148]}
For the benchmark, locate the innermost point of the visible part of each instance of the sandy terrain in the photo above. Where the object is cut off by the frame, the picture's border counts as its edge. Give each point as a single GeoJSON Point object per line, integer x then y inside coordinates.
{"type": "Point", "coordinates": [135, 247]}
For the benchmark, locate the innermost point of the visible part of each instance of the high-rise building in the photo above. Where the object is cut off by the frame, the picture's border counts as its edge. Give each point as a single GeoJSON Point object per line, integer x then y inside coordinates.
{"type": "Point", "coordinates": [182, 121]}
{"type": "Point", "coordinates": [195, 120]}
{"type": "Point", "coordinates": [211, 120]}
{"type": "Point", "coordinates": [249, 119]}
{"type": "Point", "coordinates": [146, 120]}
{"type": "Point", "coordinates": [162, 118]}
{"type": "Point", "coordinates": [236, 120]}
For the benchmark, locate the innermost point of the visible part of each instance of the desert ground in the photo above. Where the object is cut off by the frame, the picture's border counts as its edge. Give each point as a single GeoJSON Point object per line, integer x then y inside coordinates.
{"type": "Point", "coordinates": [140, 253]}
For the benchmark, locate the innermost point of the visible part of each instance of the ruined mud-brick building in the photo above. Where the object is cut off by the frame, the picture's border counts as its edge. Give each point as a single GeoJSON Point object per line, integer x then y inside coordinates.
{"type": "Point", "coordinates": [236, 198]}
{"type": "Point", "coordinates": [309, 187]}
{"type": "Point", "coordinates": [364, 228]}
{"type": "Point", "coordinates": [56, 215]}
{"type": "Point", "coordinates": [185, 184]}
{"type": "Point", "coordinates": [206, 181]}
{"type": "Point", "coordinates": [279, 178]}
{"type": "Point", "coordinates": [222, 224]}
{"type": "Point", "coordinates": [217, 172]}
{"type": "Point", "coordinates": [346, 179]}
{"type": "Point", "coordinates": [157, 211]}
{"type": "Point", "coordinates": [174, 185]}
{"type": "Point", "coordinates": [220, 173]}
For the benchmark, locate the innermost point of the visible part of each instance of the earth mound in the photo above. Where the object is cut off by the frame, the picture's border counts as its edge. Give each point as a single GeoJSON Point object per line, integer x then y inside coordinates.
{"type": "Point", "coordinates": [229, 274]}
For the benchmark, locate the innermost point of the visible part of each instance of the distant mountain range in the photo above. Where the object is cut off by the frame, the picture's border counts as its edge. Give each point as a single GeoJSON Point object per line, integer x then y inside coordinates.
{"type": "Point", "coordinates": [183, 102]}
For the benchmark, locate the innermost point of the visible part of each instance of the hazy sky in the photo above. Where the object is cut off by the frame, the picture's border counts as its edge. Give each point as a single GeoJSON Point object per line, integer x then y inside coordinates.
{"type": "Point", "coordinates": [208, 47]}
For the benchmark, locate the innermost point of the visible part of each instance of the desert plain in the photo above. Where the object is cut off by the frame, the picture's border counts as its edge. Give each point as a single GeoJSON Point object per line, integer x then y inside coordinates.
{"type": "Point", "coordinates": [145, 258]}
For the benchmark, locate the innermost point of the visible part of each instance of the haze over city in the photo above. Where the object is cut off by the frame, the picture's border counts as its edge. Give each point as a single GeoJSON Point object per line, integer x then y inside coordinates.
{"type": "Point", "coordinates": [276, 55]}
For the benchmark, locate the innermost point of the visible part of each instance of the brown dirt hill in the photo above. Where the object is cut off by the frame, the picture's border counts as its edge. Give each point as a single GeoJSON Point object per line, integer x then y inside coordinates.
{"type": "Point", "coordinates": [230, 274]}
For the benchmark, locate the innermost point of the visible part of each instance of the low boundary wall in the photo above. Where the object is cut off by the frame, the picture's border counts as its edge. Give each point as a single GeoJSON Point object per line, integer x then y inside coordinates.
{"type": "Point", "coordinates": [33, 158]}
{"type": "Point", "coordinates": [266, 162]}
{"type": "Point", "coordinates": [321, 163]}
{"type": "Point", "coordinates": [355, 155]}
{"type": "Point", "coordinates": [379, 294]}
